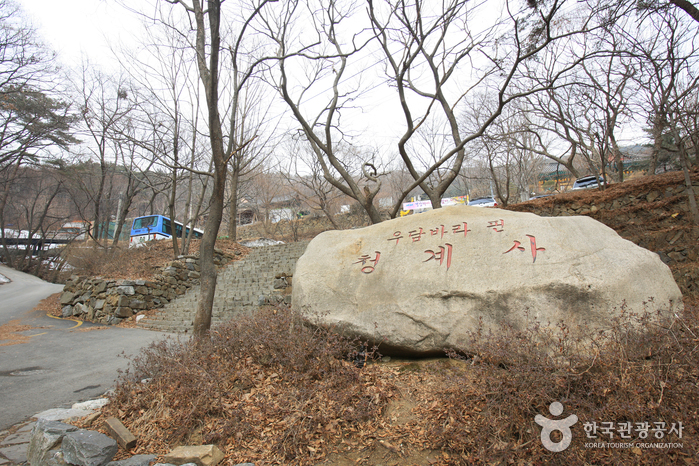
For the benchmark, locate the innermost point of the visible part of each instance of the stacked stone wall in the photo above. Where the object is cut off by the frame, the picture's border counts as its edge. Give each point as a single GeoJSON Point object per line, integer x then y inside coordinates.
{"type": "Point", "coordinates": [111, 301]}
{"type": "Point", "coordinates": [263, 277]}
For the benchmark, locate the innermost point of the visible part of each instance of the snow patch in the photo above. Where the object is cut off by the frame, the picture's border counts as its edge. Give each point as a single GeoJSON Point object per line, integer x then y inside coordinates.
{"type": "Point", "coordinates": [258, 243]}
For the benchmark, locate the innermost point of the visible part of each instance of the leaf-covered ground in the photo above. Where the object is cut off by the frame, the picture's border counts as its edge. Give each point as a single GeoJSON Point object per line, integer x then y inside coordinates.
{"type": "Point", "coordinates": [270, 389]}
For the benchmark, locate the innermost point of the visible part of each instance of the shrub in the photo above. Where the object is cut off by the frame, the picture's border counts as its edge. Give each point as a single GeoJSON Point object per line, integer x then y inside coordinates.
{"type": "Point", "coordinates": [643, 369]}
{"type": "Point", "coordinates": [264, 387]}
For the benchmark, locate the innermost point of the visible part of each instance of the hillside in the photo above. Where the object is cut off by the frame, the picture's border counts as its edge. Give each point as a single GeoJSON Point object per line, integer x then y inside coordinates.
{"type": "Point", "coordinates": [268, 395]}
{"type": "Point", "coordinates": [651, 211]}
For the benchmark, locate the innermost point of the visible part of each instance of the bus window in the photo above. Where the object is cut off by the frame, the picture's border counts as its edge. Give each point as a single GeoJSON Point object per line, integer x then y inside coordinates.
{"type": "Point", "coordinates": [178, 229]}
{"type": "Point", "coordinates": [167, 228]}
{"type": "Point", "coordinates": [145, 222]}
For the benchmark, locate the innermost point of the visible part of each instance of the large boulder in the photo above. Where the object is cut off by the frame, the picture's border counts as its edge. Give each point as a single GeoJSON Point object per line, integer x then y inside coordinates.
{"type": "Point", "coordinates": [423, 283]}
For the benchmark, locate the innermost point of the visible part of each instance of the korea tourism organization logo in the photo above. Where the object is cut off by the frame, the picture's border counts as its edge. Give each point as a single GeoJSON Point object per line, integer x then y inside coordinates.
{"type": "Point", "coordinates": [607, 434]}
{"type": "Point", "coordinates": [548, 426]}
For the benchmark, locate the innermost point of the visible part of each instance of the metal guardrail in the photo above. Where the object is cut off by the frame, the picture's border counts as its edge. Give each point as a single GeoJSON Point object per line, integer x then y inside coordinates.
{"type": "Point", "coordinates": [37, 244]}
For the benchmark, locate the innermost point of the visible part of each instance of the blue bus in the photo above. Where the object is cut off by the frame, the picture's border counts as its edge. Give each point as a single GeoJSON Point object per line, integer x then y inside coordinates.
{"type": "Point", "coordinates": [153, 227]}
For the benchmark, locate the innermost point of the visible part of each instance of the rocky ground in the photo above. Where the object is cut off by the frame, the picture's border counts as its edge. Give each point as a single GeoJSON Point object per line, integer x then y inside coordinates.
{"type": "Point", "coordinates": [451, 411]}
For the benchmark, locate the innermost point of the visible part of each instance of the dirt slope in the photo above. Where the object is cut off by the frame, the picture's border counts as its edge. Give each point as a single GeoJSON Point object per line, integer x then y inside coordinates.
{"type": "Point", "coordinates": [651, 211]}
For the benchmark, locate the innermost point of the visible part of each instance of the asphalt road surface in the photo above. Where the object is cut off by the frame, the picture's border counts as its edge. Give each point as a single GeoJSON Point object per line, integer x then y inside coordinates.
{"type": "Point", "coordinates": [64, 361]}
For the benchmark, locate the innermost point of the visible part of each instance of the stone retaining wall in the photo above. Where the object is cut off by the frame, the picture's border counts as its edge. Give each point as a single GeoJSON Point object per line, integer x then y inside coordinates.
{"type": "Point", "coordinates": [111, 301]}
{"type": "Point", "coordinates": [263, 277]}
{"type": "Point", "coordinates": [652, 212]}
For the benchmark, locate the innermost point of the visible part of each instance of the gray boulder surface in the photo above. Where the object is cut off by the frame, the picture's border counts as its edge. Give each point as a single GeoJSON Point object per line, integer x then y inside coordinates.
{"type": "Point", "coordinates": [423, 283]}
{"type": "Point", "coordinates": [136, 460]}
{"type": "Point", "coordinates": [45, 436]}
{"type": "Point", "coordinates": [88, 448]}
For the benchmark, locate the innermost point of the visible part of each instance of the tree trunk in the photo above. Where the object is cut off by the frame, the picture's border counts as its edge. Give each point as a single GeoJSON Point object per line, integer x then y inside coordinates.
{"type": "Point", "coordinates": [202, 320]}
{"type": "Point", "coordinates": [96, 230]}
{"type": "Point", "coordinates": [209, 78]}
{"type": "Point", "coordinates": [688, 7]}
{"type": "Point", "coordinates": [688, 182]}
{"type": "Point", "coordinates": [171, 210]}
{"type": "Point", "coordinates": [233, 203]}
{"type": "Point", "coordinates": [372, 211]}
{"type": "Point", "coordinates": [121, 218]}
{"type": "Point", "coordinates": [657, 146]}
{"type": "Point", "coordinates": [189, 223]}
{"type": "Point", "coordinates": [330, 217]}
{"type": "Point", "coordinates": [3, 203]}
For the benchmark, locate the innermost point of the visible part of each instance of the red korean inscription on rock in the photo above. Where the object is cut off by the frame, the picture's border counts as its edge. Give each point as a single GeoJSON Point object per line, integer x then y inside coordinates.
{"type": "Point", "coordinates": [532, 242]}
{"type": "Point", "coordinates": [441, 255]}
{"type": "Point", "coordinates": [367, 269]}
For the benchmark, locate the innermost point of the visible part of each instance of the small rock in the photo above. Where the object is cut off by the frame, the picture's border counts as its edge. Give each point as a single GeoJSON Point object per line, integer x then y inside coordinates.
{"type": "Point", "coordinates": [202, 455]}
{"type": "Point", "coordinates": [280, 283]}
{"type": "Point", "coordinates": [55, 458]}
{"type": "Point", "coordinates": [59, 414]}
{"type": "Point", "coordinates": [79, 309]}
{"type": "Point", "coordinates": [653, 195]}
{"type": "Point", "coordinates": [127, 290]}
{"type": "Point", "coordinates": [136, 460]}
{"type": "Point", "coordinates": [67, 297]}
{"type": "Point", "coordinates": [88, 448]}
{"type": "Point", "coordinates": [123, 312]}
{"type": "Point", "coordinates": [15, 453]}
{"type": "Point", "coordinates": [91, 404]}
{"type": "Point", "coordinates": [16, 439]}
{"type": "Point", "coordinates": [113, 320]}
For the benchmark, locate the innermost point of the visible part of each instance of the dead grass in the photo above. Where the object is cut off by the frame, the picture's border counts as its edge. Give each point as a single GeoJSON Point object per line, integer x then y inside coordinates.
{"type": "Point", "coordinates": [270, 389]}
{"type": "Point", "coordinates": [266, 388]}
{"type": "Point", "coordinates": [10, 333]}
{"type": "Point", "coordinates": [137, 263]}
{"type": "Point", "coordinates": [50, 305]}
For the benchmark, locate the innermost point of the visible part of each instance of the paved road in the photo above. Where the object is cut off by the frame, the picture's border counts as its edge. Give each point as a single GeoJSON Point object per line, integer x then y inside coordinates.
{"type": "Point", "coordinates": [64, 361]}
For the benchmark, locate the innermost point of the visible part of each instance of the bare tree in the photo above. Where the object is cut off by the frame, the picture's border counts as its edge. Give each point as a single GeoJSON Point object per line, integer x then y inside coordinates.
{"type": "Point", "coordinates": [207, 43]}
{"type": "Point", "coordinates": [247, 124]}
{"type": "Point", "coordinates": [433, 56]}
{"type": "Point", "coordinates": [610, 78]}
{"type": "Point", "coordinates": [35, 122]}
{"type": "Point", "coordinates": [668, 56]}
{"type": "Point", "coordinates": [304, 176]}
{"type": "Point", "coordinates": [417, 43]}
{"type": "Point", "coordinates": [132, 171]}
{"type": "Point", "coordinates": [660, 6]}
{"type": "Point", "coordinates": [323, 46]}
{"type": "Point", "coordinates": [270, 195]}
{"type": "Point", "coordinates": [576, 123]}
{"type": "Point", "coordinates": [33, 191]}
{"type": "Point", "coordinates": [105, 103]}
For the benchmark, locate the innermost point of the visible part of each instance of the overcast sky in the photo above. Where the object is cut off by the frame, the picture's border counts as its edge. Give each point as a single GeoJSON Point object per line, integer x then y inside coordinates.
{"type": "Point", "coordinates": [85, 28]}
{"type": "Point", "coordinates": [77, 28]}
